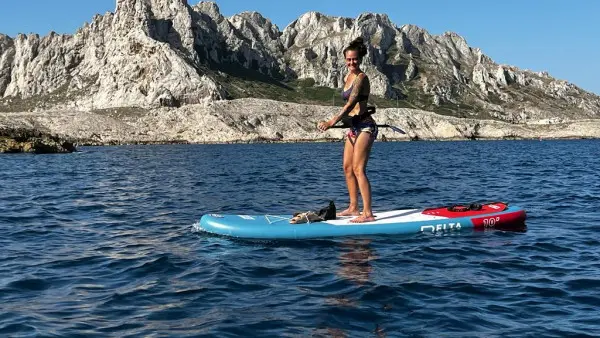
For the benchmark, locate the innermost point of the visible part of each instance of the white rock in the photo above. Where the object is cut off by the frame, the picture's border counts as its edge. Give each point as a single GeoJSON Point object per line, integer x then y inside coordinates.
{"type": "Point", "coordinates": [153, 52]}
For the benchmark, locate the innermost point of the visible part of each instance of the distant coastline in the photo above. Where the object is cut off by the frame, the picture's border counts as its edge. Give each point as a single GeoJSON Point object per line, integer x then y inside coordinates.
{"type": "Point", "coordinates": [268, 121]}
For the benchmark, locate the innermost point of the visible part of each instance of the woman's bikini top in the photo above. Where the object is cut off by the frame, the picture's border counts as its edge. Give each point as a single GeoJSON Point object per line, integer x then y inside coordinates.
{"type": "Point", "coordinates": [346, 93]}
{"type": "Point", "coordinates": [356, 119]}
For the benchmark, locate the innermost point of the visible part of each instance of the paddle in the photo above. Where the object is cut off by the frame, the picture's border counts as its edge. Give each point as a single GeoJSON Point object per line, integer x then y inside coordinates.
{"type": "Point", "coordinates": [396, 129]}
{"type": "Point", "coordinates": [370, 111]}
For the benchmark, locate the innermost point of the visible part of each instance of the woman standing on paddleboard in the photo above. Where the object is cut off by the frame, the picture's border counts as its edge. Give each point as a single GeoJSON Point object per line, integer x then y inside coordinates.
{"type": "Point", "coordinates": [361, 135]}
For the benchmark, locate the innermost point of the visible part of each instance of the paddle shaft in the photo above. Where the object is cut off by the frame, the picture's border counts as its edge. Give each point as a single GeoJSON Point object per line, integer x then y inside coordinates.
{"type": "Point", "coordinates": [396, 129]}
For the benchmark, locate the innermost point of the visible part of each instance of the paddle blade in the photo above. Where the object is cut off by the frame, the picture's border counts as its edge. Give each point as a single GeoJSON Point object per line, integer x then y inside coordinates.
{"type": "Point", "coordinates": [398, 130]}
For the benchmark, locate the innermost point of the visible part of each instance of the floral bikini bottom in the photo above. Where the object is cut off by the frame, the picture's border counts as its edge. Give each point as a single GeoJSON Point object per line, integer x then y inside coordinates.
{"type": "Point", "coordinates": [367, 127]}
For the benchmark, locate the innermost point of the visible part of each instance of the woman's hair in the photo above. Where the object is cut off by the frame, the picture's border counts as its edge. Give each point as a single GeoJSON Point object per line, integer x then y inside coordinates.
{"type": "Point", "coordinates": [357, 45]}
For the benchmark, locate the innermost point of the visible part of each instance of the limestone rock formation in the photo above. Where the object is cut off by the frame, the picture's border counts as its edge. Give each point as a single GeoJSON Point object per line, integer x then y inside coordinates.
{"type": "Point", "coordinates": [142, 55]}
{"type": "Point", "coordinates": [152, 53]}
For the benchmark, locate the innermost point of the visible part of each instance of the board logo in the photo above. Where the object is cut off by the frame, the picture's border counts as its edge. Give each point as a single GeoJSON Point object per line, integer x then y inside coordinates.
{"type": "Point", "coordinates": [441, 227]}
{"type": "Point", "coordinates": [216, 215]}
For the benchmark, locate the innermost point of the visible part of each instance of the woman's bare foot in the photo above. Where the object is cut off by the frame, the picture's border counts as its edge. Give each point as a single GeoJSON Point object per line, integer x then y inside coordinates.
{"type": "Point", "coordinates": [348, 212]}
{"type": "Point", "coordinates": [363, 219]}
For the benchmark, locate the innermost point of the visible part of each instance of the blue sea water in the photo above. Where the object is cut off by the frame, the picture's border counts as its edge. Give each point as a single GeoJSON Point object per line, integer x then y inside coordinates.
{"type": "Point", "coordinates": [102, 243]}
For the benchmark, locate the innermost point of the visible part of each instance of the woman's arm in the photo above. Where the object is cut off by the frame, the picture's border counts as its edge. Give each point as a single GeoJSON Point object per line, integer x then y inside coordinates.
{"type": "Point", "coordinates": [357, 88]}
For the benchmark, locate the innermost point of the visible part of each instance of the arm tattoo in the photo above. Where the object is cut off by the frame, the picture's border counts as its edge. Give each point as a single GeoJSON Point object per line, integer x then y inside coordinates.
{"type": "Point", "coordinates": [358, 85]}
{"type": "Point", "coordinates": [356, 90]}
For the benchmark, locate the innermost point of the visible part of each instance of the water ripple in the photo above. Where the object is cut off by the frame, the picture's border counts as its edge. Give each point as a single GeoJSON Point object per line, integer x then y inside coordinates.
{"type": "Point", "coordinates": [99, 243]}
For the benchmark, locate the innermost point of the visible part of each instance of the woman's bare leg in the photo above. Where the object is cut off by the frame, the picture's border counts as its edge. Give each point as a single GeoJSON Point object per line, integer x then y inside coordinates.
{"type": "Point", "coordinates": [351, 182]}
{"type": "Point", "coordinates": [360, 158]}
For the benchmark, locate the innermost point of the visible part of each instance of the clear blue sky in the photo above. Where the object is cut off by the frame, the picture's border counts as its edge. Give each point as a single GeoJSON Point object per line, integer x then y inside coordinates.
{"type": "Point", "coordinates": [560, 37]}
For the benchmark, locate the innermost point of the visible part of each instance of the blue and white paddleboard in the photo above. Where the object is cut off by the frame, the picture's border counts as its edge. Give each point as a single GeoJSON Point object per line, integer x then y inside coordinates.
{"type": "Point", "coordinates": [411, 221]}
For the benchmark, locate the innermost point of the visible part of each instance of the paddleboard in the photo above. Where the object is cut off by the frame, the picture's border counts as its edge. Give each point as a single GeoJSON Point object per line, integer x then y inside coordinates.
{"type": "Point", "coordinates": [409, 221]}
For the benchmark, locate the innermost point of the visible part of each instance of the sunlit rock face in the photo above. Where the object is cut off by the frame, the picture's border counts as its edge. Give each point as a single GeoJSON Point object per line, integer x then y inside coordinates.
{"type": "Point", "coordinates": [153, 53]}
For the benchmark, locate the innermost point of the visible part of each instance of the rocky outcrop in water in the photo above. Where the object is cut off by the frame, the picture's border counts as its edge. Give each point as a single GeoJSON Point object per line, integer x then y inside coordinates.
{"type": "Point", "coordinates": [152, 53]}
{"type": "Point", "coordinates": [33, 141]}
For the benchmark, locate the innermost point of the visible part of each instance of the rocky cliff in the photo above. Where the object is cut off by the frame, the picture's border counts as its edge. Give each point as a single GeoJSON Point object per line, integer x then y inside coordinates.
{"type": "Point", "coordinates": [153, 53]}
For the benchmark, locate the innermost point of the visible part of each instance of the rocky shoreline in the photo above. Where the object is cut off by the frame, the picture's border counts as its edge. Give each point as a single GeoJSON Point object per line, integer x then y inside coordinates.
{"type": "Point", "coordinates": [256, 120]}
{"type": "Point", "coordinates": [21, 140]}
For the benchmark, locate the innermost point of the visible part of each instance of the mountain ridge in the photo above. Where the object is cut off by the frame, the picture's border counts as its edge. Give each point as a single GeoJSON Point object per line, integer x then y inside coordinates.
{"type": "Point", "coordinates": [152, 53]}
